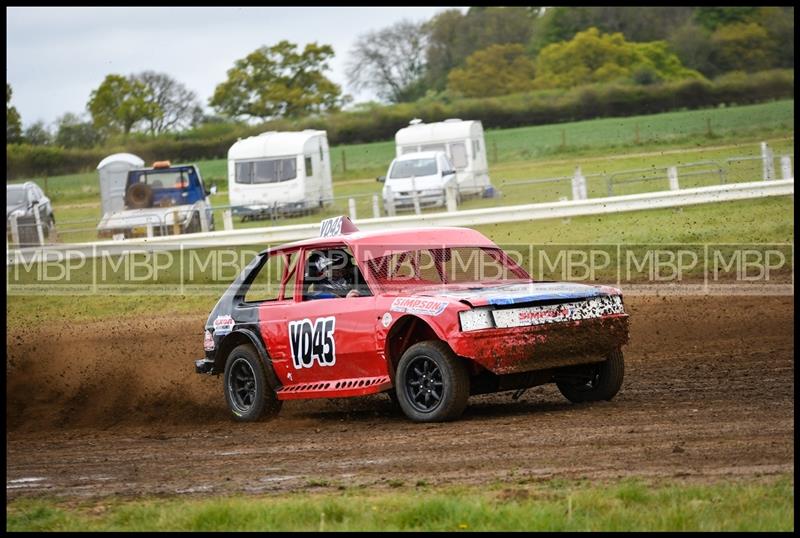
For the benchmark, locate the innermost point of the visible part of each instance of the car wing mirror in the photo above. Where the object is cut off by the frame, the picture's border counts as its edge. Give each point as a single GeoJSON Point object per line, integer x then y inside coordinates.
{"type": "Point", "coordinates": [213, 189]}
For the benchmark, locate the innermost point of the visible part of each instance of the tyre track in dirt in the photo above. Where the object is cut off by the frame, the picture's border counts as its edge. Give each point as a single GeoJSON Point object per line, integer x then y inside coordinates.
{"type": "Point", "coordinates": [114, 408]}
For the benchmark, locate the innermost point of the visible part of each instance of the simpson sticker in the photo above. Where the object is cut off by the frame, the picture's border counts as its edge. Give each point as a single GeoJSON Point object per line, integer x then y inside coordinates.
{"type": "Point", "coordinates": [312, 342]}
{"type": "Point", "coordinates": [223, 325]}
{"type": "Point", "coordinates": [418, 305]}
{"type": "Point", "coordinates": [537, 315]}
{"type": "Point", "coordinates": [208, 341]}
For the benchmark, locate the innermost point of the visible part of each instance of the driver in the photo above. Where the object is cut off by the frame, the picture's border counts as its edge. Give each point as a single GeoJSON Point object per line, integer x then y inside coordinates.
{"type": "Point", "coordinates": [336, 275]}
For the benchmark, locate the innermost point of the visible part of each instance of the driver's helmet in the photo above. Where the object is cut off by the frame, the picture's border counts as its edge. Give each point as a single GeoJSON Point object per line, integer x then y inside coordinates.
{"type": "Point", "coordinates": [336, 261]}
{"type": "Point", "coordinates": [322, 263]}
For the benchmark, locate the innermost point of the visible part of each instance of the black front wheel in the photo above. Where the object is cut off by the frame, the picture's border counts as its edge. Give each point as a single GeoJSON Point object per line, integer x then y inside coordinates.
{"type": "Point", "coordinates": [594, 382]}
{"type": "Point", "coordinates": [249, 395]}
{"type": "Point", "coordinates": [431, 383]}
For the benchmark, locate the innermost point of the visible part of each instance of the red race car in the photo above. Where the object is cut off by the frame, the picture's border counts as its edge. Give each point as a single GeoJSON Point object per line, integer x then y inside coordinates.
{"type": "Point", "coordinates": [429, 315]}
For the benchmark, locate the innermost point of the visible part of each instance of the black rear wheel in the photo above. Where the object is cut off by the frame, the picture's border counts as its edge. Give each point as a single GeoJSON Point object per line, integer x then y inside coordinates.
{"type": "Point", "coordinates": [249, 395]}
{"type": "Point", "coordinates": [600, 381]}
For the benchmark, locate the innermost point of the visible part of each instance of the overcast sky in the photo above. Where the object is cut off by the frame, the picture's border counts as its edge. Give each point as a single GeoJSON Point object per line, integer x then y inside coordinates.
{"type": "Point", "coordinates": [56, 56]}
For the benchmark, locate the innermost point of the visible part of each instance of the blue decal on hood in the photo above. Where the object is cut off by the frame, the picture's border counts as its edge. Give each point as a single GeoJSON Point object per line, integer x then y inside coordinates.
{"type": "Point", "coordinates": [582, 294]}
{"type": "Point", "coordinates": [536, 291]}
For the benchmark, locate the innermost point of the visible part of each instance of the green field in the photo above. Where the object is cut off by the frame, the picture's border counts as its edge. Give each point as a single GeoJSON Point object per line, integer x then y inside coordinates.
{"type": "Point", "coordinates": [601, 147]}
{"type": "Point", "coordinates": [556, 505]}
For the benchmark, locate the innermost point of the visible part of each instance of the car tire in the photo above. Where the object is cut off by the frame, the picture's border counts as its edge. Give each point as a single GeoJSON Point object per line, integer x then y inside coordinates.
{"type": "Point", "coordinates": [139, 196]}
{"type": "Point", "coordinates": [603, 383]}
{"type": "Point", "coordinates": [431, 383]}
{"type": "Point", "coordinates": [249, 394]}
{"type": "Point", "coordinates": [393, 398]}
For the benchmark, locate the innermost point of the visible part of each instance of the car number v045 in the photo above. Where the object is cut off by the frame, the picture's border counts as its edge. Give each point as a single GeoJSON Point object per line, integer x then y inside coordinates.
{"type": "Point", "coordinates": [312, 342]}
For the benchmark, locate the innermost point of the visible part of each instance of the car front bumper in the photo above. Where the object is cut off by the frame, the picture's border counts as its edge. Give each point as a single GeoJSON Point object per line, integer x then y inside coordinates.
{"type": "Point", "coordinates": [204, 366]}
{"type": "Point", "coordinates": [425, 200]}
{"type": "Point", "coordinates": [538, 347]}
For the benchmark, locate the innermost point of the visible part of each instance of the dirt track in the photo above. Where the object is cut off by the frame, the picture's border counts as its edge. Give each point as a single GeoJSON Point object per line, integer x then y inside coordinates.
{"type": "Point", "coordinates": [114, 408]}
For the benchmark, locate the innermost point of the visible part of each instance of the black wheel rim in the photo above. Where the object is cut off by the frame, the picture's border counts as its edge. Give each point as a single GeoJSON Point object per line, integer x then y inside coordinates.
{"type": "Point", "coordinates": [242, 385]}
{"type": "Point", "coordinates": [589, 382]}
{"type": "Point", "coordinates": [423, 384]}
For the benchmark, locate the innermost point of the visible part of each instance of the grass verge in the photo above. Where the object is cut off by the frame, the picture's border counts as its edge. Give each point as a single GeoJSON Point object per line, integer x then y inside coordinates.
{"type": "Point", "coordinates": [556, 505]}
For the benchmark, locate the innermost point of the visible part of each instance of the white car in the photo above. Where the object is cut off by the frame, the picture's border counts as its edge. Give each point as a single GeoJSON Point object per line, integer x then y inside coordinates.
{"type": "Point", "coordinates": [429, 173]}
{"type": "Point", "coordinates": [23, 202]}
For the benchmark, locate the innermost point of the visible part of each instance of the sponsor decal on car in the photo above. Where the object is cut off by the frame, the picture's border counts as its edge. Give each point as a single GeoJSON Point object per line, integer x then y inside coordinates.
{"type": "Point", "coordinates": [312, 342]}
{"type": "Point", "coordinates": [537, 315]}
{"type": "Point", "coordinates": [223, 325]}
{"type": "Point", "coordinates": [386, 320]}
{"type": "Point", "coordinates": [418, 305]}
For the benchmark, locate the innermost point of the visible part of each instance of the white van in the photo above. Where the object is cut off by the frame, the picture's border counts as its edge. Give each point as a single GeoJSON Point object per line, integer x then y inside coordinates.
{"type": "Point", "coordinates": [282, 172]}
{"type": "Point", "coordinates": [461, 141]}
{"type": "Point", "coordinates": [427, 172]}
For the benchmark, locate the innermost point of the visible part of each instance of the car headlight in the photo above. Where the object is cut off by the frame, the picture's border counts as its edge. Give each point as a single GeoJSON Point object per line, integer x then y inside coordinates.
{"type": "Point", "coordinates": [476, 319]}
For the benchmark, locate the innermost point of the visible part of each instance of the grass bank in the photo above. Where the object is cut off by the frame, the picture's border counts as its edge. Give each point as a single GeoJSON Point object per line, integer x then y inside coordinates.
{"type": "Point", "coordinates": [627, 505]}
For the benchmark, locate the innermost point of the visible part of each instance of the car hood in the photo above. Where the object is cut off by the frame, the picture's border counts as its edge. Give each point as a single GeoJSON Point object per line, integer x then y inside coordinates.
{"type": "Point", "coordinates": [507, 294]}
{"type": "Point", "coordinates": [420, 182]}
{"type": "Point", "coordinates": [11, 208]}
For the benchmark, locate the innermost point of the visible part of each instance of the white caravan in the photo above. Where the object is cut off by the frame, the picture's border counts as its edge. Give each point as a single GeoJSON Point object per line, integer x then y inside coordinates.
{"type": "Point", "coordinates": [461, 141]}
{"type": "Point", "coordinates": [279, 172]}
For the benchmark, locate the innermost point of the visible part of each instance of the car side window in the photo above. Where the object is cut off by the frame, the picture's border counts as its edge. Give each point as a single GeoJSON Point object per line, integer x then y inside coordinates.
{"type": "Point", "coordinates": [332, 273]}
{"type": "Point", "coordinates": [266, 284]}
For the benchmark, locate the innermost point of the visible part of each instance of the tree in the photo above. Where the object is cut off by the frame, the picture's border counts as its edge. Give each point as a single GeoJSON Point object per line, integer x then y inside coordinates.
{"type": "Point", "coordinates": [497, 70]}
{"type": "Point", "coordinates": [779, 24]}
{"type": "Point", "coordinates": [594, 57]}
{"type": "Point", "coordinates": [741, 47]}
{"type": "Point", "coordinates": [635, 23]}
{"type": "Point", "coordinates": [453, 36]}
{"type": "Point", "coordinates": [692, 44]}
{"type": "Point", "coordinates": [277, 81]}
{"type": "Point", "coordinates": [712, 18]}
{"type": "Point", "coordinates": [391, 62]}
{"type": "Point", "coordinates": [173, 106]}
{"type": "Point", "coordinates": [119, 104]}
{"type": "Point", "coordinates": [72, 131]}
{"type": "Point", "coordinates": [13, 121]}
{"type": "Point", "coordinates": [37, 134]}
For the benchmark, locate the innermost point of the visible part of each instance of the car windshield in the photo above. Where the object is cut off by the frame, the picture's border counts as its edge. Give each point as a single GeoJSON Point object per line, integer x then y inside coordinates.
{"type": "Point", "coordinates": [172, 179]}
{"type": "Point", "coordinates": [15, 195]}
{"type": "Point", "coordinates": [445, 266]}
{"type": "Point", "coordinates": [415, 167]}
